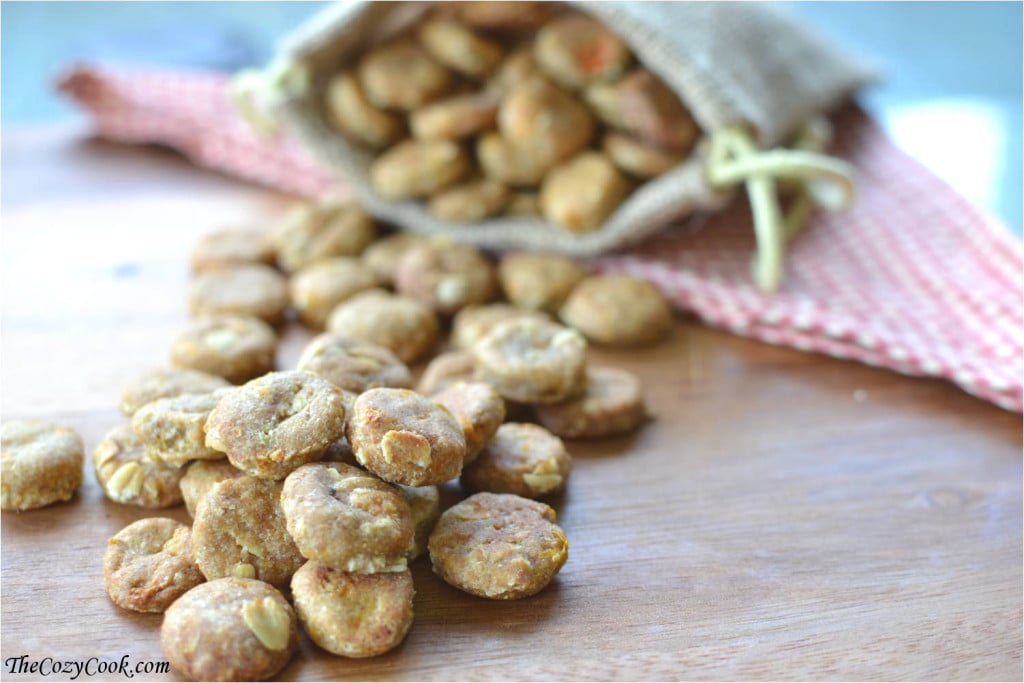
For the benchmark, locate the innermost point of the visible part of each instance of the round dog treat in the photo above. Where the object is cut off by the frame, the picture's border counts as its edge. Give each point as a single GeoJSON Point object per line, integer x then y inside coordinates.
{"type": "Point", "coordinates": [415, 169]}
{"type": "Point", "coordinates": [156, 384]}
{"type": "Point", "coordinates": [446, 369]}
{"type": "Point", "coordinates": [472, 323]}
{"type": "Point", "coordinates": [353, 615]}
{"type": "Point", "coordinates": [354, 364]}
{"type": "Point", "coordinates": [425, 503]}
{"type": "Point", "coordinates": [446, 276]}
{"type": "Point", "coordinates": [253, 290]}
{"type": "Point", "coordinates": [502, 15]}
{"type": "Point", "coordinates": [227, 248]}
{"type": "Point", "coordinates": [40, 463]}
{"type": "Point", "coordinates": [235, 347]}
{"type": "Point", "coordinates": [400, 323]}
{"type": "Point", "coordinates": [516, 165]}
{"type": "Point", "coordinates": [347, 518]}
{"type": "Point", "coordinates": [471, 201]}
{"type": "Point", "coordinates": [459, 48]}
{"type": "Point", "coordinates": [539, 281]}
{"type": "Point", "coordinates": [638, 158]}
{"type": "Point", "coordinates": [498, 546]}
{"type": "Point", "coordinates": [618, 310]}
{"type": "Point", "coordinates": [383, 255]}
{"type": "Point", "coordinates": [642, 105]}
{"type": "Point", "coordinates": [319, 287]}
{"type": "Point", "coordinates": [612, 404]}
{"type": "Point", "coordinates": [478, 408]}
{"type": "Point", "coordinates": [171, 429]}
{"type": "Point", "coordinates": [350, 112]}
{"type": "Point", "coordinates": [576, 50]}
{"type": "Point", "coordinates": [455, 118]}
{"type": "Point", "coordinates": [230, 629]}
{"type": "Point", "coordinates": [315, 232]}
{"type": "Point", "coordinates": [401, 75]}
{"type": "Point", "coordinates": [200, 477]}
{"type": "Point", "coordinates": [240, 530]}
{"type": "Point", "coordinates": [148, 565]}
{"type": "Point", "coordinates": [406, 438]}
{"type": "Point", "coordinates": [545, 119]}
{"type": "Point", "coordinates": [532, 361]}
{"type": "Point", "coordinates": [524, 459]}
{"type": "Point", "coordinates": [580, 193]}
{"type": "Point", "coordinates": [127, 475]}
{"type": "Point", "coordinates": [276, 423]}
{"type": "Point", "coordinates": [525, 204]}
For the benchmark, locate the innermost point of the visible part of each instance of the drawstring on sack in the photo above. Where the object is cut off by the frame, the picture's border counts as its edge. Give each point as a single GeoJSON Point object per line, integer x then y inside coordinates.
{"type": "Point", "coordinates": [254, 91]}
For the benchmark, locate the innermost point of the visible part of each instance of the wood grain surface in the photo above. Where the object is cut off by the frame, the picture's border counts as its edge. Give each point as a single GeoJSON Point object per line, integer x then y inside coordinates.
{"type": "Point", "coordinates": [786, 516]}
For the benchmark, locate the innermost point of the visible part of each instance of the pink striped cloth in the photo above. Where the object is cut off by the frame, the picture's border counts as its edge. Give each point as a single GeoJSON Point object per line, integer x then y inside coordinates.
{"type": "Point", "coordinates": [913, 278]}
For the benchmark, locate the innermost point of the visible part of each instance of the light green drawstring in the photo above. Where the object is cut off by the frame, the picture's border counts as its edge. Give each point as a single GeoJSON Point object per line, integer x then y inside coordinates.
{"type": "Point", "coordinates": [254, 89]}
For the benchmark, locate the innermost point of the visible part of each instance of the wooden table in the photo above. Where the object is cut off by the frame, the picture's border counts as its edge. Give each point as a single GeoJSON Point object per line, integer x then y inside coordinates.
{"type": "Point", "coordinates": [786, 516]}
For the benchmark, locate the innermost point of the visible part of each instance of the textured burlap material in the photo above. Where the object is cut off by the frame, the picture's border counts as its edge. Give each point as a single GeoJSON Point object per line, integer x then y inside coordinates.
{"type": "Point", "coordinates": [732, 64]}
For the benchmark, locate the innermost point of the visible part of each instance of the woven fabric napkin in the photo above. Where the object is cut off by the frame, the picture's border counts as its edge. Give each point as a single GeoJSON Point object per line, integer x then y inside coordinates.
{"type": "Point", "coordinates": [913, 278]}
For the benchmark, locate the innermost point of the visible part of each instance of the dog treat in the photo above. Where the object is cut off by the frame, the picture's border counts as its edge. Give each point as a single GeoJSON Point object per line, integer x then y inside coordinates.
{"type": "Point", "coordinates": [156, 384]}
{"type": "Point", "coordinates": [231, 629]}
{"type": "Point", "coordinates": [252, 290]}
{"type": "Point", "coordinates": [347, 518]}
{"type": "Point", "coordinates": [532, 361]}
{"type": "Point", "coordinates": [473, 322]}
{"type": "Point", "coordinates": [517, 68]}
{"type": "Point", "coordinates": [127, 475]}
{"type": "Point", "coordinates": [40, 463]}
{"type": "Point", "coordinates": [524, 459]}
{"type": "Point", "coordinates": [446, 369]}
{"type": "Point", "coordinates": [425, 503]}
{"type": "Point", "coordinates": [455, 118]}
{"type": "Point", "coordinates": [511, 164]}
{"type": "Point", "coordinates": [471, 201]}
{"type": "Point", "coordinates": [415, 169]}
{"type": "Point", "coordinates": [582, 192]}
{"type": "Point", "coordinates": [354, 364]}
{"type": "Point", "coordinates": [401, 75]}
{"type": "Point", "coordinates": [172, 429]}
{"type": "Point", "coordinates": [612, 404]}
{"type": "Point", "coordinates": [353, 615]}
{"type": "Point", "coordinates": [350, 112]}
{"type": "Point", "coordinates": [276, 423]}
{"type": "Point", "coordinates": [383, 255]}
{"type": "Point", "coordinates": [479, 409]}
{"type": "Point", "coordinates": [314, 232]}
{"type": "Point", "coordinates": [638, 158]}
{"type": "Point", "coordinates": [406, 438]}
{"type": "Point", "coordinates": [402, 324]}
{"type": "Point", "coordinates": [227, 248]}
{"type": "Point", "coordinates": [200, 477]}
{"type": "Point", "coordinates": [642, 105]}
{"type": "Point", "coordinates": [235, 347]}
{"type": "Point", "coordinates": [499, 16]}
{"type": "Point", "coordinates": [459, 48]}
{"type": "Point", "coordinates": [544, 119]}
{"type": "Point", "coordinates": [498, 546]}
{"type": "Point", "coordinates": [525, 204]}
{"type": "Point", "coordinates": [240, 530]}
{"type": "Point", "coordinates": [446, 276]}
{"type": "Point", "coordinates": [148, 565]}
{"type": "Point", "coordinates": [539, 281]}
{"type": "Point", "coordinates": [618, 310]}
{"type": "Point", "coordinates": [576, 50]}
{"type": "Point", "coordinates": [319, 287]}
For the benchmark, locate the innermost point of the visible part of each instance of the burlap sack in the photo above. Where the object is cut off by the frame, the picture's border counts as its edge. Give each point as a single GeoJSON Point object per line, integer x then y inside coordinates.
{"type": "Point", "coordinates": [732, 64]}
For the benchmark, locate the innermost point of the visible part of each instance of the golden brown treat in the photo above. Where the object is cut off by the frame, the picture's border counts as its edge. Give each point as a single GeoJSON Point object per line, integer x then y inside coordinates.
{"type": "Point", "coordinates": [319, 287]}
{"type": "Point", "coordinates": [40, 463]}
{"type": "Point", "coordinates": [642, 105]}
{"type": "Point", "coordinates": [354, 364]}
{"type": "Point", "coordinates": [526, 204]}
{"type": "Point", "coordinates": [613, 404]}
{"type": "Point", "coordinates": [415, 169]}
{"type": "Point", "coordinates": [576, 50]}
{"type": "Point", "coordinates": [406, 438]}
{"type": "Point", "coordinates": [235, 347]}
{"type": "Point", "coordinates": [503, 15]}
{"type": "Point", "coordinates": [455, 118]}
{"type": "Point", "coordinates": [471, 201]}
{"type": "Point", "coordinates": [127, 475]}
{"type": "Point", "coordinates": [581, 192]}
{"type": "Point", "coordinates": [425, 503]}
{"type": "Point", "coordinates": [172, 429]}
{"type": "Point", "coordinates": [400, 323]}
{"type": "Point", "coordinates": [252, 290]}
{"type": "Point", "coordinates": [314, 232]}
{"type": "Point", "coordinates": [353, 615]}
{"type": "Point", "coordinates": [227, 248]}
{"type": "Point", "coordinates": [532, 361]}
{"type": "Point", "coordinates": [148, 565]}
{"type": "Point", "coordinates": [383, 255]}
{"type": "Point", "coordinates": [230, 630]}
{"type": "Point", "coordinates": [240, 530]}
{"type": "Point", "coordinates": [517, 68]}
{"type": "Point", "coordinates": [479, 409]}
{"type": "Point", "coordinates": [200, 477]}
{"type": "Point", "coordinates": [516, 165]}
{"type": "Point", "coordinates": [498, 546]}
{"type": "Point", "coordinates": [350, 112]}
{"type": "Point", "coordinates": [347, 518]}
{"type": "Point", "coordinates": [446, 369]}
{"type": "Point", "coordinates": [638, 158]}
{"type": "Point", "coordinates": [618, 310]}
{"type": "Point", "coordinates": [401, 75]}
{"type": "Point", "coordinates": [541, 117]}
{"type": "Point", "coordinates": [524, 459]}
{"type": "Point", "coordinates": [473, 322]}
{"type": "Point", "coordinates": [166, 383]}
{"type": "Point", "coordinates": [460, 49]}
{"type": "Point", "coordinates": [539, 281]}
{"type": "Point", "coordinates": [446, 276]}
{"type": "Point", "coordinates": [276, 423]}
